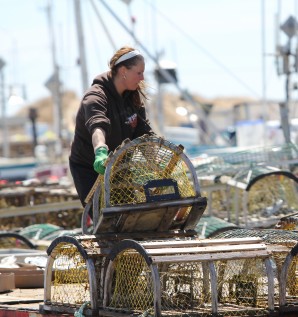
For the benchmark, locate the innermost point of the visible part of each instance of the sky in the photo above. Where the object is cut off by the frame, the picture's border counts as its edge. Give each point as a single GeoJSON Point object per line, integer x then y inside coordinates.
{"type": "Point", "coordinates": [220, 48]}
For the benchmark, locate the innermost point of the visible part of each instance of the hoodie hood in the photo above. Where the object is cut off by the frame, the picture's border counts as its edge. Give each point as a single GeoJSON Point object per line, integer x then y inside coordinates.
{"type": "Point", "coordinates": [105, 82]}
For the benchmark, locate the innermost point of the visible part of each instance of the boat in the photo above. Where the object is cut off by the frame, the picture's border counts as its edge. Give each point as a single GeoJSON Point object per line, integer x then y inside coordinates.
{"type": "Point", "coordinates": [16, 169]}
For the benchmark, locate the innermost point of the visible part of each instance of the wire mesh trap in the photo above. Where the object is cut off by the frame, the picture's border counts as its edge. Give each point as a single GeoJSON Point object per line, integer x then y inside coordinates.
{"type": "Point", "coordinates": [183, 278]}
{"type": "Point", "coordinates": [229, 163]}
{"type": "Point", "coordinates": [252, 186]}
{"type": "Point", "coordinates": [74, 274]}
{"type": "Point", "coordinates": [149, 185]}
{"type": "Point", "coordinates": [254, 197]}
{"type": "Point", "coordinates": [174, 277]}
{"type": "Point", "coordinates": [283, 246]}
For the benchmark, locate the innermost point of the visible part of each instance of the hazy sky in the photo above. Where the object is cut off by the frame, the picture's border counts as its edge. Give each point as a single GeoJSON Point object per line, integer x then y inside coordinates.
{"type": "Point", "coordinates": [217, 45]}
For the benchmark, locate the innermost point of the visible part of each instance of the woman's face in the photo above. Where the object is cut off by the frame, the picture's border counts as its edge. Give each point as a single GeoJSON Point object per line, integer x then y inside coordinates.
{"type": "Point", "coordinates": [134, 75]}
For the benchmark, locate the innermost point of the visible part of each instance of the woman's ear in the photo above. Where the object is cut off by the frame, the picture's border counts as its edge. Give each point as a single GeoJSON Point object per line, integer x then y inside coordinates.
{"type": "Point", "coordinates": [122, 70]}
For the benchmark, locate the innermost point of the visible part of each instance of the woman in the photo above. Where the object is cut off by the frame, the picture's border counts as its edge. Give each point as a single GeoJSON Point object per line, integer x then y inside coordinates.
{"type": "Point", "coordinates": [111, 111]}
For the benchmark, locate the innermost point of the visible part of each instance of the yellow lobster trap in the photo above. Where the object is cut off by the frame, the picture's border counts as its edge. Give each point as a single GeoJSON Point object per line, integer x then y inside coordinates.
{"type": "Point", "coordinates": [149, 185]}
{"type": "Point", "coordinates": [224, 277]}
{"type": "Point", "coordinates": [284, 249]}
{"type": "Point", "coordinates": [172, 277]}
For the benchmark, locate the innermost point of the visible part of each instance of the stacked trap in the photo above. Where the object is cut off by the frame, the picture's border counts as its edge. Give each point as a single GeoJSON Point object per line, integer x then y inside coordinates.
{"type": "Point", "coordinates": [142, 256]}
{"type": "Point", "coordinates": [284, 250]}
{"type": "Point", "coordinates": [251, 188]}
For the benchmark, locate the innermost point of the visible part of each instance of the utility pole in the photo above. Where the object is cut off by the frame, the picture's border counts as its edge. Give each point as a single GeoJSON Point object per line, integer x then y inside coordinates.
{"type": "Point", "coordinates": [5, 136]}
{"type": "Point", "coordinates": [289, 27]}
{"type": "Point", "coordinates": [33, 116]}
{"type": "Point", "coordinates": [81, 44]}
{"type": "Point", "coordinates": [264, 84]}
{"type": "Point", "coordinates": [54, 85]}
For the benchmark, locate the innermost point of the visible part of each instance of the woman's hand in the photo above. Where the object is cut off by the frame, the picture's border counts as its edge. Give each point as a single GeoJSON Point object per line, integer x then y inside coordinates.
{"type": "Point", "coordinates": [101, 155]}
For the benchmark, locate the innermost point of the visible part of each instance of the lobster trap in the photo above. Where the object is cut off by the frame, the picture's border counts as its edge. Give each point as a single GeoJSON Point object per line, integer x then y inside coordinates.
{"type": "Point", "coordinates": [230, 161]}
{"type": "Point", "coordinates": [74, 274]}
{"type": "Point", "coordinates": [149, 185]}
{"type": "Point", "coordinates": [284, 249]}
{"type": "Point", "coordinates": [174, 277]}
{"type": "Point", "coordinates": [251, 186]}
{"type": "Point", "coordinates": [190, 278]}
{"type": "Point", "coordinates": [142, 256]}
{"type": "Point", "coordinates": [253, 197]}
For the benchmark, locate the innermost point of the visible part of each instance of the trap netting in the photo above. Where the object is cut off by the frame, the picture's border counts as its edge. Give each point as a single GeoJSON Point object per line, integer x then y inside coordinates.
{"type": "Point", "coordinates": [273, 194]}
{"type": "Point", "coordinates": [242, 287]}
{"type": "Point", "coordinates": [70, 284]}
{"type": "Point", "coordinates": [132, 284]}
{"type": "Point", "coordinates": [270, 236]}
{"type": "Point", "coordinates": [227, 162]}
{"type": "Point", "coordinates": [257, 194]}
{"type": "Point", "coordinates": [270, 191]}
{"type": "Point", "coordinates": [277, 238]}
{"type": "Point", "coordinates": [144, 170]}
{"type": "Point", "coordinates": [182, 290]}
{"type": "Point", "coordinates": [74, 274]}
{"type": "Point", "coordinates": [185, 287]}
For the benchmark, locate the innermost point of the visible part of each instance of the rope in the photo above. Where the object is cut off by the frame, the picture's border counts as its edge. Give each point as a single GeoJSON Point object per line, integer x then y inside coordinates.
{"type": "Point", "coordinates": [79, 313]}
{"type": "Point", "coordinates": [146, 313]}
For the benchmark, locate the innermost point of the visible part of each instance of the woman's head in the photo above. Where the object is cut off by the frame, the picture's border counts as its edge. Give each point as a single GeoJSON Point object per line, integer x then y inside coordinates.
{"type": "Point", "coordinates": [126, 56]}
{"type": "Point", "coordinates": [127, 67]}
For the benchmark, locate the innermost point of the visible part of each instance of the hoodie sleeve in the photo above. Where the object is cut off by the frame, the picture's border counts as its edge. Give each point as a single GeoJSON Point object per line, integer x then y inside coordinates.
{"type": "Point", "coordinates": [95, 108]}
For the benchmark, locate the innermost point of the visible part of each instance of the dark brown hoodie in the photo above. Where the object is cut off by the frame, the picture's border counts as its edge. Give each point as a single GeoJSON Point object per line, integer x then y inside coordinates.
{"type": "Point", "coordinates": [121, 117]}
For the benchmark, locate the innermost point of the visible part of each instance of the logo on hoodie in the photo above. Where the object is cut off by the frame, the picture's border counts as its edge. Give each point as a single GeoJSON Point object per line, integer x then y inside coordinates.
{"type": "Point", "coordinates": [132, 120]}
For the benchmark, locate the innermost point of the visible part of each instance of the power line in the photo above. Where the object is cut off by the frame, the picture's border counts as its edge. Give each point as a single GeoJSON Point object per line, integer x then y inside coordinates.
{"type": "Point", "coordinates": [204, 50]}
{"type": "Point", "coordinates": [165, 73]}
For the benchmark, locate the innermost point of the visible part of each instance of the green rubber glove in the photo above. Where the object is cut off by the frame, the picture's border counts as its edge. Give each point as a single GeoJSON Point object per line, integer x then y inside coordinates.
{"type": "Point", "coordinates": [101, 155]}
